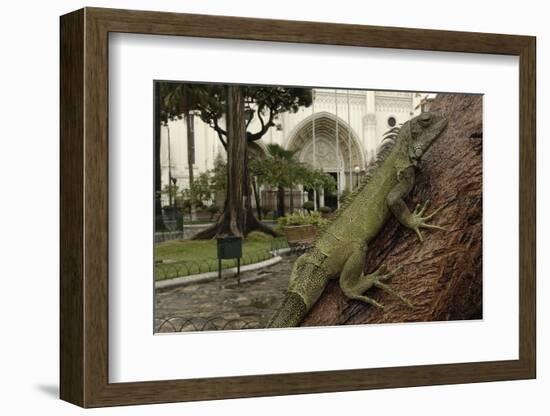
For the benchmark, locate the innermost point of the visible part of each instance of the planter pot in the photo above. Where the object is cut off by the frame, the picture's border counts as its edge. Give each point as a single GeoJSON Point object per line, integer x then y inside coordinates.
{"type": "Point", "coordinates": [300, 234]}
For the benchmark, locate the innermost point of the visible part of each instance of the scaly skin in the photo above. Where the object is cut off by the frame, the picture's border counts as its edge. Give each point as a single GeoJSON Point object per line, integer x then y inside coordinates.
{"type": "Point", "coordinates": [340, 250]}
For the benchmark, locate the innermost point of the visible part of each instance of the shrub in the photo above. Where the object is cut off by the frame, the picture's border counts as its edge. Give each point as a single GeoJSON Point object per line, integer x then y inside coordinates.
{"type": "Point", "coordinates": [300, 219]}
{"type": "Point", "coordinates": [325, 210]}
{"type": "Point", "coordinates": [308, 205]}
{"type": "Point", "coordinates": [256, 236]}
{"type": "Point", "coordinates": [213, 209]}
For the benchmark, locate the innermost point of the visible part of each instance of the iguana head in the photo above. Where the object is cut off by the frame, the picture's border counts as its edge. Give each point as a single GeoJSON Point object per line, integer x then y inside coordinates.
{"type": "Point", "coordinates": [425, 128]}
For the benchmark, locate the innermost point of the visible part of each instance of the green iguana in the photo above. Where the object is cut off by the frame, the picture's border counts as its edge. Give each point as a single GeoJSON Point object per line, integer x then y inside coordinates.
{"type": "Point", "coordinates": [339, 252]}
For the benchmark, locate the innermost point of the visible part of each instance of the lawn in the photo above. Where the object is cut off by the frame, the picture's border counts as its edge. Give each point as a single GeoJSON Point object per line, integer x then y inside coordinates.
{"type": "Point", "coordinates": [186, 257]}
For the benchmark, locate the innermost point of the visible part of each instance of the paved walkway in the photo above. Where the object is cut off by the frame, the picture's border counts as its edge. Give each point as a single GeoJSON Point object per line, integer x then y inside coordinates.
{"type": "Point", "coordinates": [224, 305]}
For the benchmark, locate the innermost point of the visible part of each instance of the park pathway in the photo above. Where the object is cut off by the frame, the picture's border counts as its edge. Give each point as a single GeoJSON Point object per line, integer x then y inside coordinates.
{"type": "Point", "coordinates": [226, 305]}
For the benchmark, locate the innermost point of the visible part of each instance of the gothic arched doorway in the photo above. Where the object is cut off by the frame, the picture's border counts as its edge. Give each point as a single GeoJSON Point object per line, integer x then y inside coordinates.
{"type": "Point", "coordinates": [317, 143]}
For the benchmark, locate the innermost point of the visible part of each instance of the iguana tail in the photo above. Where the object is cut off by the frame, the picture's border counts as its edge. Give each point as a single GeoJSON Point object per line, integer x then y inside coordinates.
{"type": "Point", "coordinates": [290, 313]}
{"type": "Point", "coordinates": [308, 280]}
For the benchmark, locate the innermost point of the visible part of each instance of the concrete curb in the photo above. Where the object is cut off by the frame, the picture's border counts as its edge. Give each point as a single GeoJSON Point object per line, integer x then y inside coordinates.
{"type": "Point", "coordinates": [210, 276]}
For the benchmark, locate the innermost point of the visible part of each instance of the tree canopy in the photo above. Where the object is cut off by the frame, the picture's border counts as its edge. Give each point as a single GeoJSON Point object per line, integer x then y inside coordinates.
{"type": "Point", "coordinates": [279, 168]}
{"type": "Point", "coordinates": [263, 103]}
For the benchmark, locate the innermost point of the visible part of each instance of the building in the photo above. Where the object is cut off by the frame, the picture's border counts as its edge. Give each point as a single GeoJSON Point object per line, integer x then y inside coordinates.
{"type": "Point", "coordinates": [339, 133]}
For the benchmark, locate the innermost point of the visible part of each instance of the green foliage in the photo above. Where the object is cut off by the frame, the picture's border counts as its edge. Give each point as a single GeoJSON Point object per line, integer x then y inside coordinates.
{"type": "Point", "coordinates": [346, 194]}
{"type": "Point", "coordinates": [213, 209]}
{"type": "Point", "coordinates": [172, 191]}
{"type": "Point", "coordinates": [218, 176]}
{"type": "Point", "coordinates": [281, 169]}
{"type": "Point", "coordinates": [325, 210]}
{"type": "Point", "coordinates": [308, 205]}
{"type": "Point", "coordinates": [204, 188]}
{"type": "Point", "coordinates": [210, 101]}
{"type": "Point", "coordinates": [198, 193]}
{"type": "Point", "coordinates": [318, 179]}
{"type": "Point", "coordinates": [278, 169]}
{"type": "Point", "coordinates": [177, 98]}
{"type": "Point", "coordinates": [200, 190]}
{"type": "Point", "coordinates": [258, 237]}
{"type": "Point", "coordinates": [313, 218]}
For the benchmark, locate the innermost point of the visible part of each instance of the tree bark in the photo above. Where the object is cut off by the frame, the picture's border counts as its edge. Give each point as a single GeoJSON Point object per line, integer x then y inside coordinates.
{"type": "Point", "coordinates": [237, 217]}
{"type": "Point", "coordinates": [280, 201]}
{"type": "Point", "coordinates": [257, 198]}
{"type": "Point", "coordinates": [442, 277]}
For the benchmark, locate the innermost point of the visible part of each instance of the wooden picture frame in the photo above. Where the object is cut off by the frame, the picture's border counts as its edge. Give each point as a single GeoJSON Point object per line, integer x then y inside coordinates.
{"type": "Point", "coordinates": [84, 207]}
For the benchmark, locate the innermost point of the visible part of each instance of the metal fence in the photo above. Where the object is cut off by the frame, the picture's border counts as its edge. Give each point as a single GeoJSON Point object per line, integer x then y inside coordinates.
{"type": "Point", "coordinates": [165, 271]}
{"type": "Point", "coordinates": [183, 324]}
{"type": "Point", "coordinates": [168, 236]}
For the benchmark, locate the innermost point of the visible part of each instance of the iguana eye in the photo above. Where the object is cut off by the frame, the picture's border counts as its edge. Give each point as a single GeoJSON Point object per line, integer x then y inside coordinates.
{"type": "Point", "coordinates": [425, 119]}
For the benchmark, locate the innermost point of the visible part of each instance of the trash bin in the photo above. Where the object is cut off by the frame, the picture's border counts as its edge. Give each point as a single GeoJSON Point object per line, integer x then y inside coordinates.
{"type": "Point", "coordinates": [229, 247]}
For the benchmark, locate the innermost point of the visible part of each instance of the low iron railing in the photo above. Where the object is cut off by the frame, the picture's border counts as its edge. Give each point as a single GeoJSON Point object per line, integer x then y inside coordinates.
{"type": "Point", "coordinates": [218, 323]}
{"type": "Point", "coordinates": [165, 271]}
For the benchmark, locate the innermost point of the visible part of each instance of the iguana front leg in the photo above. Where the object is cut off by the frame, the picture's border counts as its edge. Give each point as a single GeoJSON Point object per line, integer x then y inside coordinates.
{"type": "Point", "coordinates": [395, 200]}
{"type": "Point", "coordinates": [354, 283]}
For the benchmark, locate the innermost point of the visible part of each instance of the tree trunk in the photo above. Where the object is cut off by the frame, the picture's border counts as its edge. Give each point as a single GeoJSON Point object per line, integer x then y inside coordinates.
{"type": "Point", "coordinates": [237, 217]}
{"type": "Point", "coordinates": [257, 198]}
{"type": "Point", "coordinates": [442, 276]}
{"type": "Point", "coordinates": [189, 122]}
{"type": "Point", "coordinates": [281, 201]}
{"type": "Point", "coordinates": [159, 223]}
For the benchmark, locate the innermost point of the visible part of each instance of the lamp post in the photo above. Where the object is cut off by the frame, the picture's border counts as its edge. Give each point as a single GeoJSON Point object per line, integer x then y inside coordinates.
{"type": "Point", "coordinates": [357, 169]}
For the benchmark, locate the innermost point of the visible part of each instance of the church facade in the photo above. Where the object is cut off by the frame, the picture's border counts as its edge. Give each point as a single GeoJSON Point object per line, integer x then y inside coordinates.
{"type": "Point", "coordinates": [338, 133]}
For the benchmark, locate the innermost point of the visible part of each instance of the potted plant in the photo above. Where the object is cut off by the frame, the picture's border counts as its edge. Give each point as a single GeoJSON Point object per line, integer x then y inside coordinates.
{"type": "Point", "coordinates": [301, 229]}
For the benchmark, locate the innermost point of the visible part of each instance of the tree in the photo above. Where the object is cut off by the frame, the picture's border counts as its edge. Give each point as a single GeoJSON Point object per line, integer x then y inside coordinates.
{"type": "Point", "coordinates": [199, 191]}
{"type": "Point", "coordinates": [280, 170]}
{"type": "Point", "coordinates": [218, 178]}
{"type": "Point", "coordinates": [242, 105]}
{"type": "Point", "coordinates": [172, 191]}
{"type": "Point", "coordinates": [318, 179]}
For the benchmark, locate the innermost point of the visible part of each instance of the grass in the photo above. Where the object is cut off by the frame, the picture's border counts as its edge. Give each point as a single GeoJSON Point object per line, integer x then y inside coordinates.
{"type": "Point", "coordinates": [199, 256]}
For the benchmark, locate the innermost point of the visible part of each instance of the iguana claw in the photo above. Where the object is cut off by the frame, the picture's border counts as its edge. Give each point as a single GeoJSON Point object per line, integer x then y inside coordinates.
{"type": "Point", "coordinates": [377, 279]}
{"type": "Point", "coordinates": [417, 221]}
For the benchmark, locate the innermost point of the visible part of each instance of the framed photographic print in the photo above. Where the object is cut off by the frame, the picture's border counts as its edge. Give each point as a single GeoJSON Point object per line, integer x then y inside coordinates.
{"type": "Point", "coordinates": [254, 207]}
